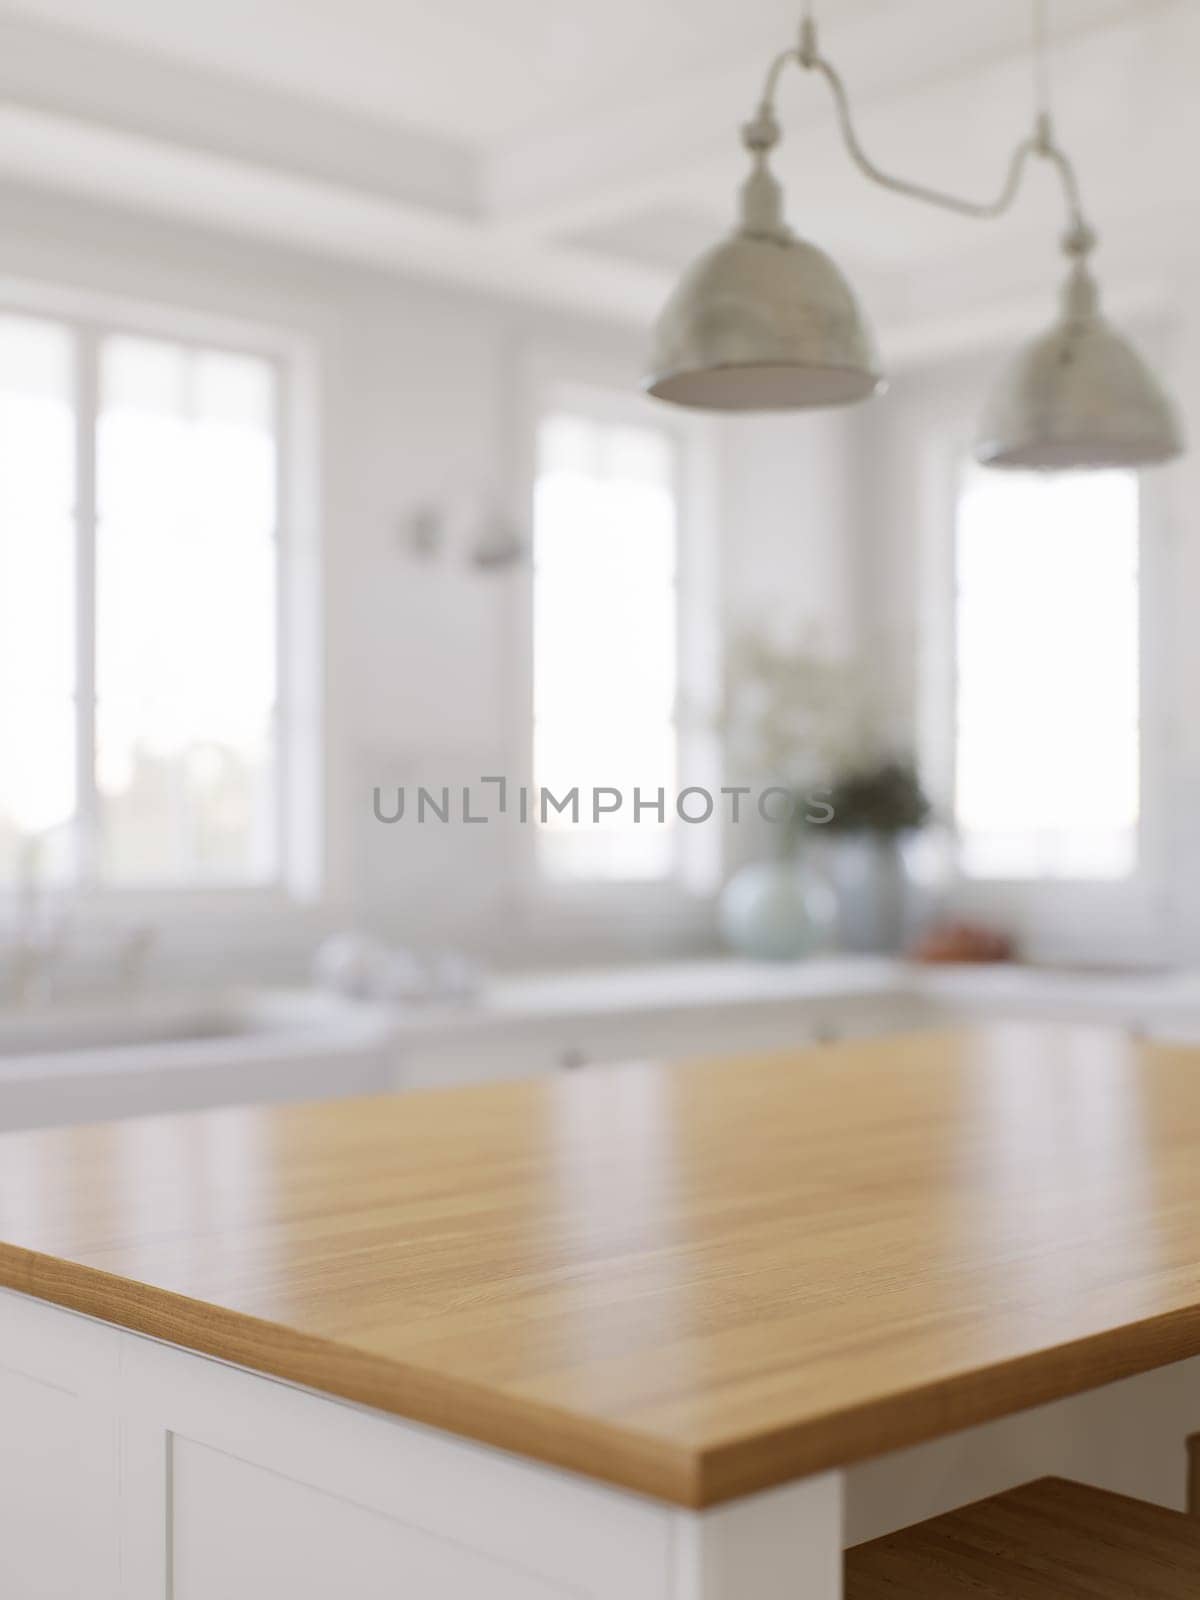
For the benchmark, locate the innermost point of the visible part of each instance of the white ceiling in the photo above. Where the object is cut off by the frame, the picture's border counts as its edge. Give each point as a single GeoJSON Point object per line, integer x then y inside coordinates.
{"type": "Point", "coordinates": [581, 149]}
{"type": "Point", "coordinates": [488, 69]}
{"type": "Point", "coordinates": [477, 69]}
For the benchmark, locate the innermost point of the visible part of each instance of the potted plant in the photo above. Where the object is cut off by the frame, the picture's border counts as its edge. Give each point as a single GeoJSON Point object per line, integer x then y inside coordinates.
{"type": "Point", "coordinates": [799, 717]}
{"type": "Point", "coordinates": [875, 809]}
{"type": "Point", "coordinates": [786, 714]}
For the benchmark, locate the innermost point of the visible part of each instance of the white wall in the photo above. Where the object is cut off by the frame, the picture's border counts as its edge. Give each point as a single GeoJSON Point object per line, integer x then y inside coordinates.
{"type": "Point", "coordinates": [421, 399]}
{"type": "Point", "coordinates": [1179, 720]}
{"type": "Point", "coordinates": [823, 523]}
{"type": "Point", "coordinates": [791, 493]}
{"type": "Point", "coordinates": [789, 498]}
{"type": "Point", "coordinates": [913, 441]}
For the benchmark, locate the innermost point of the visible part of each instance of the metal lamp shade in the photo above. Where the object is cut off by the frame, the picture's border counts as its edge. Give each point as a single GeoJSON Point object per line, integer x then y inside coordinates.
{"type": "Point", "coordinates": [1080, 396]}
{"type": "Point", "coordinates": [762, 322]}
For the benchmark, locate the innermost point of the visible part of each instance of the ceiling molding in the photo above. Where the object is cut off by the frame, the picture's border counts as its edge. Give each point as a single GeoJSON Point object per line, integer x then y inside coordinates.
{"type": "Point", "coordinates": [61, 72]}
{"type": "Point", "coordinates": [89, 116]}
{"type": "Point", "coordinates": [59, 154]}
{"type": "Point", "coordinates": [585, 172]}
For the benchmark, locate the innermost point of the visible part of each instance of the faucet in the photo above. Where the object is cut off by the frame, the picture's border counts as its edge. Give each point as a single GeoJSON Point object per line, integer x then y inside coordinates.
{"type": "Point", "coordinates": [133, 958]}
{"type": "Point", "coordinates": [41, 932]}
{"type": "Point", "coordinates": [38, 937]}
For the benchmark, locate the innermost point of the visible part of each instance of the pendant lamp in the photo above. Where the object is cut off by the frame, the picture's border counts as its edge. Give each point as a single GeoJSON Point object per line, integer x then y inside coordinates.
{"type": "Point", "coordinates": [766, 321]}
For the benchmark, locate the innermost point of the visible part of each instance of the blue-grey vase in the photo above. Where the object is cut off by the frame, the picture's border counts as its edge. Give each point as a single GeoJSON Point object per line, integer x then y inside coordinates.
{"type": "Point", "coordinates": [776, 911]}
{"type": "Point", "coordinates": [871, 881]}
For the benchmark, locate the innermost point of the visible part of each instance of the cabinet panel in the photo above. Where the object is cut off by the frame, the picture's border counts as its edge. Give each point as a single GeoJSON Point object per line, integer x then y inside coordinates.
{"type": "Point", "coordinates": [40, 1491]}
{"type": "Point", "coordinates": [483, 1056]}
{"type": "Point", "coordinates": [243, 1532]}
{"type": "Point", "coordinates": [505, 1050]}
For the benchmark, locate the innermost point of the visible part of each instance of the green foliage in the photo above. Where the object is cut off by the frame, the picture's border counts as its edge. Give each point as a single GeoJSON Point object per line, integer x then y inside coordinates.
{"type": "Point", "coordinates": [885, 798]}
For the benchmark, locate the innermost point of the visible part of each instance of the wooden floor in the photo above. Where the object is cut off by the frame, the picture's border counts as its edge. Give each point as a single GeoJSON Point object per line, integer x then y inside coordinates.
{"type": "Point", "coordinates": [1049, 1540]}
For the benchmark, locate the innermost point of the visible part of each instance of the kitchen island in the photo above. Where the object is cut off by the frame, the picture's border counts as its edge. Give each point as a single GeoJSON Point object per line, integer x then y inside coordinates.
{"type": "Point", "coordinates": [635, 1332]}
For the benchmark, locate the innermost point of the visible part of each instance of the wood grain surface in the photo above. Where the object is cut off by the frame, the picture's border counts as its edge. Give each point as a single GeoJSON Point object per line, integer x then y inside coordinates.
{"type": "Point", "coordinates": [693, 1281]}
{"type": "Point", "coordinates": [1050, 1540]}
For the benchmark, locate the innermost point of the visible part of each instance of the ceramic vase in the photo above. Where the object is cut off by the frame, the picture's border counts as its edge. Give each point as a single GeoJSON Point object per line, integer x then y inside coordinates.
{"type": "Point", "coordinates": [776, 910]}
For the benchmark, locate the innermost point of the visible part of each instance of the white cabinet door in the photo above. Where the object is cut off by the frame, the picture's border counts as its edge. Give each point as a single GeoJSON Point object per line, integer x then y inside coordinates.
{"type": "Point", "coordinates": [488, 1053]}
{"type": "Point", "coordinates": [243, 1532]}
{"type": "Point", "coordinates": [485, 1054]}
{"type": "Point", "coordinates": [39, 1490]}
{"type": "Point", "coordinates": [59, 1440]}
{"type": "Point", "coordinates": [104, 1092]}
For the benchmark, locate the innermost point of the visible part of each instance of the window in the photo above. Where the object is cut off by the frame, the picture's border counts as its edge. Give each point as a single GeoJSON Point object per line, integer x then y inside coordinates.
{"type": "Point", "coordinates": [1047, 683]}
{"type": "Point", "coordinates": [605, 644]}
{"type": "Point", "coordinates": [38, 654]}
{"type": "Point", "coordinates": [138, 579]}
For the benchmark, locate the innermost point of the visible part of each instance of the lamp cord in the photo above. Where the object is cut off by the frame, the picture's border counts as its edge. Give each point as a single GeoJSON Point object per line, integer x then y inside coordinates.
{"type": "Point", "coordinates": [1080, 238]}
{"type": "Point", "coordinates": [1041, 59]}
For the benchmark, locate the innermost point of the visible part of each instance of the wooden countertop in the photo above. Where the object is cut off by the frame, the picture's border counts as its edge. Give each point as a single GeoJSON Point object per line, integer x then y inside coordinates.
{"type": "Point", "coordinates": [692, 1281]}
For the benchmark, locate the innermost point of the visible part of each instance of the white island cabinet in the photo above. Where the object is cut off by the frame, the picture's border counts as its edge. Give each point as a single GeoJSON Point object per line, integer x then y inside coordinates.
{"type": "Point", "coordinates": [640, 1333]}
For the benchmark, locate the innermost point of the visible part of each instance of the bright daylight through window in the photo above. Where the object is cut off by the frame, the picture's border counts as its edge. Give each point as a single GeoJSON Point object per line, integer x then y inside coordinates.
{"type": "Point", "coordinates": [1047, 683]}
{"type": "Point", "coordinates": [138, 569]}
{"type": "Point", "coordinates": [604, 655]}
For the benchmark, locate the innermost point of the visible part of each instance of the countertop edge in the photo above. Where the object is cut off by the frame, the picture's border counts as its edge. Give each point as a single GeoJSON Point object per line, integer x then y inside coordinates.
{"type": "Point", "coordinates": [626, 1459]}
{"type": "Point", "coordinates": [967, 1399]}
{"type": "Point", "coordinates": [618, 1457]}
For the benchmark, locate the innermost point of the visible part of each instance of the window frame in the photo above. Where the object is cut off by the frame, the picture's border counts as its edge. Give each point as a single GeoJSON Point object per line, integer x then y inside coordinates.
{"type": "Point", "coordinates": [968, 469]}
{"type": "Point", "coordinates": [1125, 919]}
{"type": "Point", "coordinates": [298, 872]}
{"type": "Point", "coordinates": [601, 388]}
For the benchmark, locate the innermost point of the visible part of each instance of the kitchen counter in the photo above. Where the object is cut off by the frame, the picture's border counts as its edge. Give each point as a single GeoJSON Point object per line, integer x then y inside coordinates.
{"type": "Point", "coordinates": [692, 1282]}
{"type": "Point", "coordinates": [144, 1055]}
{"type": "Point", "coordinates": [1126, 994]}
{"type": "Point", "coordinates": [523, 1024]}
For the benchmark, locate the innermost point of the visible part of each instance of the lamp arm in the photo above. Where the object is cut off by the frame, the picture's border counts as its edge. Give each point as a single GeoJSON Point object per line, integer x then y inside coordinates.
{"type": "Point", "coordinates": [1080, 238]}
{"type": "Point", "coordinates": [774, 73]}
{"type": "Point", "coordinates": [920, 191]}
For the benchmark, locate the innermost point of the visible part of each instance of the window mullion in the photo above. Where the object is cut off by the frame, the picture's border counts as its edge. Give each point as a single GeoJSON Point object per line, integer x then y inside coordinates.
{"type": "Point", "coordinates": [86, 518]}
